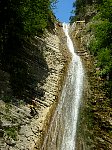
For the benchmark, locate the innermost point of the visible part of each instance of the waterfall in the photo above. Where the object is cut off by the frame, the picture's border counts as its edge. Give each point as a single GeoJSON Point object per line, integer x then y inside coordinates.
{"type": "Point", "coordinates": [62, 131]}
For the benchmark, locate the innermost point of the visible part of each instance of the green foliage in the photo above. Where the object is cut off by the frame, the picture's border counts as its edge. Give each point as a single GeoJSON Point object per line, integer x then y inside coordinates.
{"type": "Point", "coordinates": [101, 44]}
{"type": "Point", "coordinates": [80, 8]}
{"type": "Point", "coordinates": [93, 46]}
{"type": "Point", "coordinates": [104, 61]}
{"type": "Point", "coordinates": [106, 10]}
{"type": "Point", "coordinates": [25, 17]}
{"type": "Point", "coordinates": [7, 99]}
{"type": "Point", "coordinates": [101, 29]}
{"type": "Point", "coordinates": [35, 15]}
{"type": "Point", "coordinates": [103, 32]}
{"type": "Point", "coordinates": [11, 132]}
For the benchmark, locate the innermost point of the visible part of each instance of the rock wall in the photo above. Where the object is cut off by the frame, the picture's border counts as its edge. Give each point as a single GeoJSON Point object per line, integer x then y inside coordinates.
{"type": "Point", "coordinates": [94, 128]}
{"type": "Point", "coordinates": [23, 125]}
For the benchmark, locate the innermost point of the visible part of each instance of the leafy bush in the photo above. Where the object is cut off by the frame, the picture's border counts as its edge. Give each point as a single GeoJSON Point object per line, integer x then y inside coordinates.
{"type": "Point", "coordinates": [101, 45]}
{"type": "Point", "coordinates": [11, 132]}
{"type": "Point", "coordinates": [35, 15]}
{"type": "Point", "coordinates": [106, 10]}
{"type": "Point", "coordinates": [104, 61]}
{"type": "Point", "coordinates": [102, 32]}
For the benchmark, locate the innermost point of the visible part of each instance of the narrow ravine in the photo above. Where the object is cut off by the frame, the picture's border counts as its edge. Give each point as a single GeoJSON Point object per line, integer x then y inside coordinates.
{"type": "Point", "coordinates": [62, 131]}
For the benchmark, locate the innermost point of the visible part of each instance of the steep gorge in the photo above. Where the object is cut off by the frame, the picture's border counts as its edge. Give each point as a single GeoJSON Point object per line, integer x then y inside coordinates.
{"type": "Point", "coordinates": [40, 70]}
{"type": "Point", "coordinates": [20, 129]}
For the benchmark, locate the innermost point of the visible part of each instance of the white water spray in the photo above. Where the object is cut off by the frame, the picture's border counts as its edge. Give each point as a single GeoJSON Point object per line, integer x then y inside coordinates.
{"type": "Point", "coordinates": [77, 82]}
{"type": "Point", "coordinates": [62, 131]}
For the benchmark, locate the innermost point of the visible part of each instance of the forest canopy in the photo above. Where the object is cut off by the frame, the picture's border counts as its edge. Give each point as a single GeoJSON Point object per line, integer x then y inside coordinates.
{"type": "Point", "coordinates": [30, 17]}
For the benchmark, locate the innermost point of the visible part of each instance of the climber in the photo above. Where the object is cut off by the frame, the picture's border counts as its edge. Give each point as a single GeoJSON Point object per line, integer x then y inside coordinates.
{"type": "Point", "coordinates": [34, 103]}
{"type": "Point", "coordinates": [33, 108]}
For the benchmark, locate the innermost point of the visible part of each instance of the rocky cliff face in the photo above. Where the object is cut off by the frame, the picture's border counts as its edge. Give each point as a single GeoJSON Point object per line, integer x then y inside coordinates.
{"type": "Point", "coordinates": [95, 124]}
{"type": "Point", "coordinates": [23, 125]}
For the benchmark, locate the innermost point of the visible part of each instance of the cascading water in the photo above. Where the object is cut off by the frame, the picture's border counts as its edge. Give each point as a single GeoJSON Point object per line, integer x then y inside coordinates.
{"type": "Point", "coordinates": [62, 131]}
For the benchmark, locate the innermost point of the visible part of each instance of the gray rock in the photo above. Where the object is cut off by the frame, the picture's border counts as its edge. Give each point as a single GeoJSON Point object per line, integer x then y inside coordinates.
{"type": "Point", "coordinates": [9, 141]}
